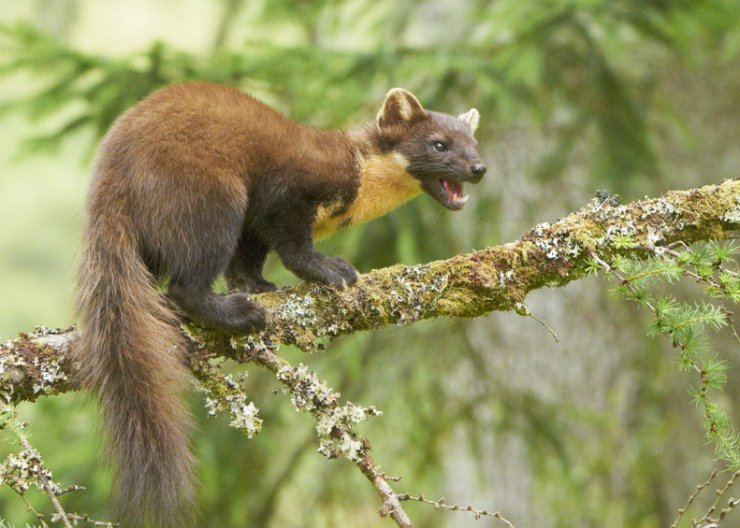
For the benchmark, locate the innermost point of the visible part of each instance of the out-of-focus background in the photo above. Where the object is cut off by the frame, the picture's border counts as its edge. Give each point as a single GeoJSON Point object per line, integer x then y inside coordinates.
{"type": "Point", "coordinates": [632, 96]}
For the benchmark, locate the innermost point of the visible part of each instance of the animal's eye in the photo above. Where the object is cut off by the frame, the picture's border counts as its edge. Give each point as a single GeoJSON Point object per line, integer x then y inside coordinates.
{"type": "Point", "coordinates": [439, 146]}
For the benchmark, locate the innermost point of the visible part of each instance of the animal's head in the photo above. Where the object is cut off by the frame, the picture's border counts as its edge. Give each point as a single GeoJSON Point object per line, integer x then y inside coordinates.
{"type": "Point", "coordinates": [440, 149]}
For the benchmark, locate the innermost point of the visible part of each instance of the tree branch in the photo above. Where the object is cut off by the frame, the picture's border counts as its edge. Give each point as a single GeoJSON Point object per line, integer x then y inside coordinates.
{"type": "Point", "coordinates": [497, 278]}
{"type": "Point", "coordinates": [493, 279]}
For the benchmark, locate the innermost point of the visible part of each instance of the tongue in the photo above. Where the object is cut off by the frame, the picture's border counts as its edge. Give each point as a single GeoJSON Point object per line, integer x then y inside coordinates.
{"type": "Point", "coordinates": [454, 193]}
{"type": "Point", "coordinates": [453, 189]}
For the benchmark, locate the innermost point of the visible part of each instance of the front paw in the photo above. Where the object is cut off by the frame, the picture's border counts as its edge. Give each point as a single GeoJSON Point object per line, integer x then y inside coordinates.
{"type": "Point", "coordinates": [248, 283]}
{"type": "Point", "coordinates": [262, 286]}
{"type": "Point", "coordinates": [338, 272]}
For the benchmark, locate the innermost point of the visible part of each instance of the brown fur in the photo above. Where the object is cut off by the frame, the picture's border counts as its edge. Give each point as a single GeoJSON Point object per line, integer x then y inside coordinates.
{"type": "Point", "coordinates": [200, 179]}
{"type": "Point", "coordinates": [130, 349]}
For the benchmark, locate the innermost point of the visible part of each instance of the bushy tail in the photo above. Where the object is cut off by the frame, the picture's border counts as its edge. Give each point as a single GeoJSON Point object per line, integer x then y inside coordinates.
{"type": "Point", "coordinates": [131, 351]}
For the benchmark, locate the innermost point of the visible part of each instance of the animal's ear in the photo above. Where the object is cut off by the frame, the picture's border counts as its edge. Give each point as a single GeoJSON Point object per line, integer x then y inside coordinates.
{"type": "Point", "coordinates": [400, 109]}
{"type": "Point", "coordinates": [471, 118]}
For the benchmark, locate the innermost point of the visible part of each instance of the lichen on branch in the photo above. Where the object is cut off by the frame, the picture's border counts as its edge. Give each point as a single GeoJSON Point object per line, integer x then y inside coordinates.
{"type": "Point", "coordinates": [497, 278]}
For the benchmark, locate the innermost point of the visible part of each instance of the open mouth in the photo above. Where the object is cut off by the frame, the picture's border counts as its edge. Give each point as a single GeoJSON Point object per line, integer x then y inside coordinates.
{"type": "Point", "coordinates": [450, 194]}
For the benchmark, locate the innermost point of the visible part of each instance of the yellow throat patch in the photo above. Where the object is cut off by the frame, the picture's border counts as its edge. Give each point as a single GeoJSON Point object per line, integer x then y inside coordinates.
{"type": "Point", "coordinates": [384, 186]}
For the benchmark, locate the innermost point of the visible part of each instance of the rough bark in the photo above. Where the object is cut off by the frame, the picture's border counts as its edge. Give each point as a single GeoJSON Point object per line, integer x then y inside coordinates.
{"type": "Point", "coordinates": [497, 278]}
{"type": "Point", "coordinates": [470, 285]}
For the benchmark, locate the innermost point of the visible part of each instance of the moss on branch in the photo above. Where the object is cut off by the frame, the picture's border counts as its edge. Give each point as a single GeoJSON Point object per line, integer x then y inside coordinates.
{"type": "Point", "coordinates": [493, 279]}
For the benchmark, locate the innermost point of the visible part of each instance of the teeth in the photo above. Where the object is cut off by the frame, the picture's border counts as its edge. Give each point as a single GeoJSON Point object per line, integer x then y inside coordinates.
{"type": "Point", "coordinates": [453, 191]}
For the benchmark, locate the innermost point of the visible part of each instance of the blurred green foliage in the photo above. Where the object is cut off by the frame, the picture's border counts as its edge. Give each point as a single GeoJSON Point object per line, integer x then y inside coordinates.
{"type": "Point", "coordinates": [561, 61]}
{"type": "Point", "coordinates": [633, 95]}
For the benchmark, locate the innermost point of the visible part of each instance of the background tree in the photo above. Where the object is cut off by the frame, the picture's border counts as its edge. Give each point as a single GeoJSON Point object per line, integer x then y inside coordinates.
{"type": "Point", "coordinates": [635, 97]}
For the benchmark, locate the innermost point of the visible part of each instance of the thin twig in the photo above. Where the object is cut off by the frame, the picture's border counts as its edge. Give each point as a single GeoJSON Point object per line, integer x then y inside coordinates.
{"type": "Point", "coordinates": [693, 496]}
{"type": "Point", "coordinates": [29, 507]}
{"type": "Point", "coordinates": [70, 489]}
{"type": "Point", "coordinates": [719, 494]}
{"type": "Point", "coordinates": [442, 504]}
{"type": "Point", "coordinates": [75, 517]}
{"type": "Point", "coordinates": [320, 406]}
{"type": "Point", "coordinates": [732, 327]}
{"type": "Point", "coordinates": [47, 487]}
{"type": "Point", "coordinates": [523, 310]}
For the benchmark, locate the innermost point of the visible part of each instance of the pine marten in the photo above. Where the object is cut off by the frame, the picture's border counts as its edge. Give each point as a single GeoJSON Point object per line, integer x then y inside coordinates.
{"type": "Point", "coordinates": [200, 179]}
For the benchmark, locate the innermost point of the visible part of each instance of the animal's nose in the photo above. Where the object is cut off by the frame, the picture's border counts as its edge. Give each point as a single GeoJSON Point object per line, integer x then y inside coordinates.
{"type": "Point", "coordinates": [478, 169]}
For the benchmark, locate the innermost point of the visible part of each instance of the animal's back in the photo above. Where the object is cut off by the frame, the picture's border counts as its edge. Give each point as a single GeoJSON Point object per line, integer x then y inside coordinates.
{"type": "Point", "coordinates": [198, 128]}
